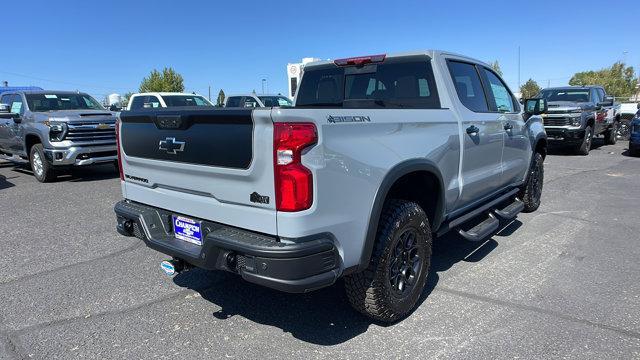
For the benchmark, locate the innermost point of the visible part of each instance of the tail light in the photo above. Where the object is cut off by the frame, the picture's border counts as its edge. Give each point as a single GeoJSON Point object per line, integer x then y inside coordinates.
{"type": "Point", "coordinates": [293, 181]}
{"type": "Point", "coordinates": [118, 149]}
{"type": "Point", "coordinates": [360, 60]}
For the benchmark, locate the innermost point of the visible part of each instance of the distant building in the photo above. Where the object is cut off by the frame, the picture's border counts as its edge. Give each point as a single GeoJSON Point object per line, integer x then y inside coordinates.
{"type": "Point", "coordinates": [294, 74]}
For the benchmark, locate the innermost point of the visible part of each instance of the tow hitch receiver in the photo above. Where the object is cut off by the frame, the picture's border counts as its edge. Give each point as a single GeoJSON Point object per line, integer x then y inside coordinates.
{"type": "Point", "coordinates": [173, 266]}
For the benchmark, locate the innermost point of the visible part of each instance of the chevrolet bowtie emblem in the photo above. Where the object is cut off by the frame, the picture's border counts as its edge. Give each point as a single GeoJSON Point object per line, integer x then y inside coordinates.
{"type": "Point", "coordinates": [171, 146]}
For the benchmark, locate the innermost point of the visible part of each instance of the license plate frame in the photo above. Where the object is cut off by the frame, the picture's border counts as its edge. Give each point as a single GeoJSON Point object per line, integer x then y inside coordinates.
{"type": "Point", "coordinates": [187, 229]}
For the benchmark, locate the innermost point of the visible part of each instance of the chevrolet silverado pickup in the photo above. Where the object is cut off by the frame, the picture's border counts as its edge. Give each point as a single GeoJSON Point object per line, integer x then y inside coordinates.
{"type": "Point", "coordinates": [378, 155]}
{"type": "Point", "coordinates": [578, 113]}
{"type": "Point", "coordinates": [56, 130]}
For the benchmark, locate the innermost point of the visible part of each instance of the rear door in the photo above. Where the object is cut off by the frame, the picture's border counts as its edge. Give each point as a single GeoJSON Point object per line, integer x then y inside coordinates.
{"type": "Point", "coordinates": [483, 134]}
{"type": "Point", "coordinates": [5, 121]}
{"type": "Point", "coordinates": [202, 163]}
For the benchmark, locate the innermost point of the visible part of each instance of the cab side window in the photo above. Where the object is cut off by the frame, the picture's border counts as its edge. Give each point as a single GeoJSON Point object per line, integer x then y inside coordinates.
{"type": "Point", "coordinates": [16, 104]}
{"type": "Point", "coordinates": [468, 86]}
{"type": "Point", "coordinates": [503, 101]}
{"type": "Point", "coordinates": [233, 101]}
{"type": "Point", "coordinates": [595, 97]}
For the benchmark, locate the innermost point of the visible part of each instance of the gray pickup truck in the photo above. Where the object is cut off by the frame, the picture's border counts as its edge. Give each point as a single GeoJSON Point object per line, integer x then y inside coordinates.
{"type": "Point", "coordinates": [379, 155]}
{"type": "Point", "coordinates": [55, 130]}
{"type": "Point", "coordinates": [578, 113]}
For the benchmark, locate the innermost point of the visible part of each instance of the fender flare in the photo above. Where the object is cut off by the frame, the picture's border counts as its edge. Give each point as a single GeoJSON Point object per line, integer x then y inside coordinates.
{"type": "Point", "coordinates": [390, 178]}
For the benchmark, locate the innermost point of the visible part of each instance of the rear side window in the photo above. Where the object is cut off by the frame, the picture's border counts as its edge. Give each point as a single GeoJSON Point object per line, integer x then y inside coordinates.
{"type": "Point", "coordinates": [468, 86]}
{"type": "Point", "coordinates": [396, 83]}
{"type": "Point", "coordinates": [233, 101]}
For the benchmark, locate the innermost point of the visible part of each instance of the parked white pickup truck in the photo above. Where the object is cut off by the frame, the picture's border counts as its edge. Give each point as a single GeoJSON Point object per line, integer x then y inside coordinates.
{"type": "Point", "coordinates": [154, 100]}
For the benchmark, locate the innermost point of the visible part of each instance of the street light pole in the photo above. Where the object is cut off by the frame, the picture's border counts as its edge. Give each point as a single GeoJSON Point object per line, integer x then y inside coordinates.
{"type": "Point", "coordinates": [263, 83]}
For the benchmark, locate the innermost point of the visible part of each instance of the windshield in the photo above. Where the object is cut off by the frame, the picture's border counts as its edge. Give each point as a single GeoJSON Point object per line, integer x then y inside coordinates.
{"type": "Point", "coordinates": [185, 100]}
{"type": "Point", "coordinates": [271, 101]}
{"type": "Point", "coordinates": [572, 95]}
{"type": "Point", "coordinates": [58, 101]}
{"type": "Point", "coordinates": [397, 83]}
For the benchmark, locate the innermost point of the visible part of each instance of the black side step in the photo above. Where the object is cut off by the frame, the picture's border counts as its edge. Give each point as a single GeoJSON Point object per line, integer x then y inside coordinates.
{"type": "Point", "coordinates": [482, 230]}
{"type": "Point", "coordinates": [511, 210]}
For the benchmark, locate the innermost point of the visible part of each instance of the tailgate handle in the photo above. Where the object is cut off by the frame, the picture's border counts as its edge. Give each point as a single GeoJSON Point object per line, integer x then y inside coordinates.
{"type": "Point", "coordinates": [169, 121]}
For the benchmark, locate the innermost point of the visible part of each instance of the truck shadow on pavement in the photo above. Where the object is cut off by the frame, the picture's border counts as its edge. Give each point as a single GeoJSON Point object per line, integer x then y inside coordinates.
{"type": "Point", "coordinates": [4, 184]}
{"type": "Point", "coordinates": [323, 317]}
{"type": "Point", "coordinates": [93, 173]}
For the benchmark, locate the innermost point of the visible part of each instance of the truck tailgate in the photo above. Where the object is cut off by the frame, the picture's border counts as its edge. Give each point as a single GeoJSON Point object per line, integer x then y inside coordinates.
{"type": "Point", "coordinates": [203, 163]}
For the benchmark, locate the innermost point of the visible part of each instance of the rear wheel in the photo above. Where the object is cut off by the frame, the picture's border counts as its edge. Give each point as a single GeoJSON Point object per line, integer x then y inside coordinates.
{"type": "Point", "coordinates": [623, 130]}
{"type": "Point", "coordinates": [585, 146]}
{"type": "Point", "coordinates": [531, 192]}
{"type": "Point", "coordinates": [611, 135]}
{"type": "Point", "coordinates": [394, 280]}
{"type": "Point", "coordinates": [42, 170]}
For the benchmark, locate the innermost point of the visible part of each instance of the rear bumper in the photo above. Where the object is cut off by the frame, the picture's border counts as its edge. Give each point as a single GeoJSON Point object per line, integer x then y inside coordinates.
{"type": "Point", "coordinates": [295, 267]}
{"type": "Point", "coordinates": [565, 134]}
{"type": "Point", "coordinates": [81, 155]}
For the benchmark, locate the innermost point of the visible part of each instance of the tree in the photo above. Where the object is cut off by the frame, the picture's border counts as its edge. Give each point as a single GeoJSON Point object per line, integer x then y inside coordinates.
{"type": "Point", "coordinates": [495, 65]}
{"type": "Point", "coordinates": [529, 89]}
{"type": "Point", "coordinates": [618, 80]}
{"type": "Point", "coordinates": [221, 97]}
{"type": "Point", "coordinates": [168, 80]}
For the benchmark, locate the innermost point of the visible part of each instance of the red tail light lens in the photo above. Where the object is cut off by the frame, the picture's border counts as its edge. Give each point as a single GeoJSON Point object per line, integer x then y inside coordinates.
{"type": "Point", "coordinates": [118, 149]}
{"type": "Point", "coordinates": [293, 181]}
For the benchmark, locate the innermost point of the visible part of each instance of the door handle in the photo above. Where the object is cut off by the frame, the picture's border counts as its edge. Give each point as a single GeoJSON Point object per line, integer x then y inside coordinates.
{"type": "Point", "coordinates": [473, 130]}
{"type": "Point", "coordinates": [508, 127]}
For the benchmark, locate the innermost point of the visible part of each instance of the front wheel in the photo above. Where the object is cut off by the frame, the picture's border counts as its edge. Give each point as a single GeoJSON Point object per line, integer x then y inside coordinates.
{"type": "Point", "coordinates": [531, 192]}
{"type": "Point", "coordinates": [42, 170]}
{"type": "Point", "coordinates": [397, 272]}
{"type": "Point", "coordinates": [585, 146]}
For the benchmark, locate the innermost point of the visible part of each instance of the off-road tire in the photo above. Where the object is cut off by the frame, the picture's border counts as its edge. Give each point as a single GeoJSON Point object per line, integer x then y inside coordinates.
{"type": "Point", "coordinates": [42, 170]}
{"type": "Point", "coordinates": [531, 191]}
{"type": "Point", "coordinates": [372, 292]}
{"type": "Point", "coordinates": [585, 146]}
{"type": "Point", "coordinates": [611, 135]}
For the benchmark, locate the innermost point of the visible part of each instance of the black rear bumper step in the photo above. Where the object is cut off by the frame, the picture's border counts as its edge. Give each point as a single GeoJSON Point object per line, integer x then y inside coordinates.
{"type": "Point", "coordinates": [294, 266]}
{"type": "Point", "coordinates": [482, 230]}
{"type": "Point", "coordinates": [511, 210]}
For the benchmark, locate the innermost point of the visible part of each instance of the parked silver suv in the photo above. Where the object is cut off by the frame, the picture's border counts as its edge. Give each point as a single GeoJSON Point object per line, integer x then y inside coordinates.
{"type": "Point", "coordinates": [55, 129]}
{"type": "Point", "coordinates": [379, 155]}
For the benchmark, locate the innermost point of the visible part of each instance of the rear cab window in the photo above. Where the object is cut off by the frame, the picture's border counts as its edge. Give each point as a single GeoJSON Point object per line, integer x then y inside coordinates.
{"type": "Point", "coordinates": [233, 101]}
{"type": "Point", "coordinates": [403, 82]}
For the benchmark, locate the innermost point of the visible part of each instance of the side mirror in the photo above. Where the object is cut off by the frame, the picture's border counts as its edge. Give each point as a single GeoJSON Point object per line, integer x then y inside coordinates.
{"type": "Point", "coordinates": [17, 119]}
{"type": "Point", "coordinates": [535, 106]}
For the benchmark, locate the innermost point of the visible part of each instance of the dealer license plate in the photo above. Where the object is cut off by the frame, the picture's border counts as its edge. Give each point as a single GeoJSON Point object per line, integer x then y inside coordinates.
{"type": "Point", "coordinates": [188, 230]}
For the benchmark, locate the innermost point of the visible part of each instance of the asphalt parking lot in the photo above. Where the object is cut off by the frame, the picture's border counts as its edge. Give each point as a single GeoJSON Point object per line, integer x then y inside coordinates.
{"type": "Point", "coordinates": [561, 282]}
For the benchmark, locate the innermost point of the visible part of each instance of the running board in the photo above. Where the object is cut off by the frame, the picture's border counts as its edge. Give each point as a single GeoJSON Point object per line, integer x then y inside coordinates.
{"type": "Point", "coordinates": [482, 230]}
{"type": "Point", "coordinates": [511, 211]}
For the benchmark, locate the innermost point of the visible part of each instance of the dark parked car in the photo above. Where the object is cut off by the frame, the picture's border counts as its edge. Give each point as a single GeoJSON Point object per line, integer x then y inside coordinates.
{"type": "Point", "coordinates": [634, 137]}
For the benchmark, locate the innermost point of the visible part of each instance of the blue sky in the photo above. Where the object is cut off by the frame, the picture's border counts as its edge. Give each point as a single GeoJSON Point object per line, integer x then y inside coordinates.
{"type": "Point", "coordinates": [108, 46]}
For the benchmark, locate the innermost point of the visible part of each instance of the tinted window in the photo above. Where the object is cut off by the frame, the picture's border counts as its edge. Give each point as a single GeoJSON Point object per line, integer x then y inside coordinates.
{"type": "Point", "coordinates": [62, 101]}
{"type": "Point", "coordinates": [16, 104]}
{"type": "Point", "coordinates": [233, 101]}
{"type": "Point", "coordinates": [600, 94]}
{"type": "Point", "coordinates": [396, 83]}
{"type": "Point", "coordinates": [501, 95]}
{"type": "Point", "coordinates": [468, 86]}
{"type": "Point", "coordinates": [185, 100]}
{"type": "Point", "coordinates": [137, 102]}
